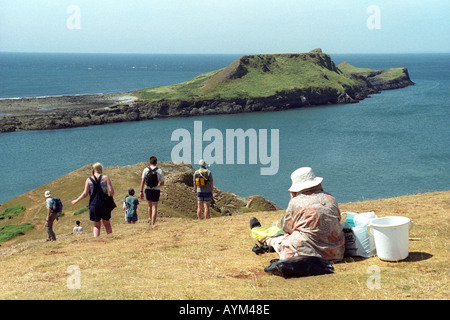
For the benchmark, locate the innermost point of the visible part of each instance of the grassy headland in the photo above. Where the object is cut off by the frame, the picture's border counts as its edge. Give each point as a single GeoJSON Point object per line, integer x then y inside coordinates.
{"type": "Point", "coordinates": [252, 83]}
{"type": "Point", "coordinates": [182, 258]}
{"type": "Point", "coordinates": [258, 76]}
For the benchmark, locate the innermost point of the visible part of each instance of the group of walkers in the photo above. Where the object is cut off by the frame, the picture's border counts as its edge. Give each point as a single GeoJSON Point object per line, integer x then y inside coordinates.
{"type": "Point", "coordinates": [99, 187]}
{"type": "Point", "coordinates": [311, 223]}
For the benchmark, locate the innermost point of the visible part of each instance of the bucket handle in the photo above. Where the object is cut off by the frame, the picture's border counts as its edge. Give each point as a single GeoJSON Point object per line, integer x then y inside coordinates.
{"type": "Point", "coordinates": [368, 230]}
{"type": "Point", "coordinates": [410, 225]}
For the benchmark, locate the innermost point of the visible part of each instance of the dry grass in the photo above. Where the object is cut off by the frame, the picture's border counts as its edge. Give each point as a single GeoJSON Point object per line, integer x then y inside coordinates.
{"type": "Point", "coordinates": [186, 259]}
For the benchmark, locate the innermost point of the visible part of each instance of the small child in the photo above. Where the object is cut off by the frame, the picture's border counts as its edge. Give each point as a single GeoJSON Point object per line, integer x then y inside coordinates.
{"type": "Point", "coordinates": [130, 206]}
{"type": "Point", "coordinates": [78, 227]}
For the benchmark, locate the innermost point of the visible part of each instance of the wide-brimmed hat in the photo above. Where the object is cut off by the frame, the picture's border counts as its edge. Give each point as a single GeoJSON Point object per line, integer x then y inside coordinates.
{"type": "Point", "coordinates": [304, 178]}
{"type": "Point", "coordinates": [47, 194]}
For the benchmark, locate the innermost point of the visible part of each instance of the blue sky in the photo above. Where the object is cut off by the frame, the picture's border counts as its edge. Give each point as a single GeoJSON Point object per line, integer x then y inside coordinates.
{"type": "Point", "coordinates": [224, 26]}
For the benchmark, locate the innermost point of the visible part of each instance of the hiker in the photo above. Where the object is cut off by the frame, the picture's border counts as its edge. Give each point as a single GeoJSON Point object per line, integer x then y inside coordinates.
{"type": "Point", "coordinates": [152, 179]}
{"type": "Point", "coordinates": [203, 186]}
{"type": "Point", "coordinates": [130, 206]}
{"type": "Point", "coordinates": [52, 214]}
{"type": "Point", "coordinates": [78, 228]}
{"type": "Point", "coordinates": [96, 187]}
{"type": "Point", "coordinates": [312, 221]}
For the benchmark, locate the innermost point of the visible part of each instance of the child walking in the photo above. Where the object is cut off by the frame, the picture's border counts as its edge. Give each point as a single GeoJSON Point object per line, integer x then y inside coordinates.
{"type": "Point", "coordinates": [130, 206]}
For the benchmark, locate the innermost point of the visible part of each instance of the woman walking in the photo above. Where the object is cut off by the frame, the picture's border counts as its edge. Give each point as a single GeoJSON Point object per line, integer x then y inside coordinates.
{"type": "Point", "coordinates": [97, 187]}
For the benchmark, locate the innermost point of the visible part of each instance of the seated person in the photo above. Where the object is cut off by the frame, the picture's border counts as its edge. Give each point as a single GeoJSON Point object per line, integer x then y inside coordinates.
{"type": "Point", "coordinates": [78, 227]}
{"type": "Point", "coordinates": [312, 221]}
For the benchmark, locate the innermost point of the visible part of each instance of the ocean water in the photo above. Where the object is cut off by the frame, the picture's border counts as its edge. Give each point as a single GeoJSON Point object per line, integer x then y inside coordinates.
{"type": "Point", "coordinates": [393, 143]}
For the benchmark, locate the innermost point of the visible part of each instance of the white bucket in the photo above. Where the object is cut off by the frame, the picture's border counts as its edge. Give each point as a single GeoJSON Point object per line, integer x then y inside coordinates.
{"type": "Point", "coordinates": [391, 235]}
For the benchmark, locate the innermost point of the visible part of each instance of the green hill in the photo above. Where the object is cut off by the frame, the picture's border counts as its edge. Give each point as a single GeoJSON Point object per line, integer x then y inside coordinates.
{"type": "Point", "coordinates": [257, 76]}
{"type": "Point", "coordinates": [272, 75]}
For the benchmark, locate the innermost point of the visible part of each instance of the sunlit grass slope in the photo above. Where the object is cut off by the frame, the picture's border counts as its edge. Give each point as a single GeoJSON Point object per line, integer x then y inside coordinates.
{"type": "Point", "coordinates": [182, 258]}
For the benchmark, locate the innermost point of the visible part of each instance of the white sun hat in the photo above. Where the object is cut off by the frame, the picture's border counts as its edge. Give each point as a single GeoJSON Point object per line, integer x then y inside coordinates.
{"type": "Point", "coordinates": [47, 194]}
{"type": "Point", "coordinates": [304, 178]}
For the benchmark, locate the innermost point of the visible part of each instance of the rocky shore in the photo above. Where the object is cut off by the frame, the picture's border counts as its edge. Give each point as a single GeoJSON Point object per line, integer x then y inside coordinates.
{"type": "Point", "coordinates": [47, 113]}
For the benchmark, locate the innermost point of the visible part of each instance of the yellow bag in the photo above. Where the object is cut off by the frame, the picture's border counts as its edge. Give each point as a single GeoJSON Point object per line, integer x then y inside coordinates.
{"type": "Point", "coordinates": [200, 180]}
{"type": "Point", "coordinates": [261, 233]}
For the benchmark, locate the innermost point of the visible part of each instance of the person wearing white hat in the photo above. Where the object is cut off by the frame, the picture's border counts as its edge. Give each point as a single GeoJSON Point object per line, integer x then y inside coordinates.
{"type": "Point", "coordinates": [312, 221]}
{"type": "Point", "coordinates": [203, 186]}
{"type": "Point", "coordinates": [51, 216]}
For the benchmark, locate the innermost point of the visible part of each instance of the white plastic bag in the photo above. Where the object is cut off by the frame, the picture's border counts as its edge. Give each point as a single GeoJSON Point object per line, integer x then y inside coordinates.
{"type": "Point", "coordinates": [358, 242]}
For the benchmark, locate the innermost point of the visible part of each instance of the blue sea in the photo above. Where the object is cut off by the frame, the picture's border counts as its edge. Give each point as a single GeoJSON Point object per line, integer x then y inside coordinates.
{"type": "Point", "coordinates": [393, 143]}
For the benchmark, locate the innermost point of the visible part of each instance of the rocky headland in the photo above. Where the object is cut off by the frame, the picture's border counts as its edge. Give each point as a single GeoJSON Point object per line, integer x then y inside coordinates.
{"type": "Point", "coordinates": [269, 82]}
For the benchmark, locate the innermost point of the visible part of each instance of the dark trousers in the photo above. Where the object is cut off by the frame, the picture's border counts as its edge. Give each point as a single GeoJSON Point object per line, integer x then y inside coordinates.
{"type": "Point", "coordinates": [49, 226]}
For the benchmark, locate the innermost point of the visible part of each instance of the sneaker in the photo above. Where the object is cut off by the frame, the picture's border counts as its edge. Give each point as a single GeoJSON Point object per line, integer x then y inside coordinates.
{"type": "Point", "coordinates": [263, 249]}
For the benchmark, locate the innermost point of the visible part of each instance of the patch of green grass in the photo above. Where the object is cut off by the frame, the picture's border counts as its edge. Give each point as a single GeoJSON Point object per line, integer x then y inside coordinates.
{"type": "Point", "coordinates": [346, 67]}
{"type": "Point", "coordinates": [11, 231]}
{"type": "Point", "coordinates": [386, 75]}
{"type": "Point", "coordinates": [190, 89]}
{"type": "Point", "coordinates": [81, 211]}
{"type": "Point", "coordinates": [391, 74]}
{"type": "Point", "coordinates": [9, 213]}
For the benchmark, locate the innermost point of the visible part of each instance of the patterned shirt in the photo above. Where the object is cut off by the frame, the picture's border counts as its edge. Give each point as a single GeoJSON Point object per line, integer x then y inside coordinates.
{"type": "Point", "coordinates": [313, 228]}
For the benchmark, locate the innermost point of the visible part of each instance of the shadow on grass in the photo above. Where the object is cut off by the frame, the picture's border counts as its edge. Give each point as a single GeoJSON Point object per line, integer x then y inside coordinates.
{"type": "Point", "coordinates": [412, 257]}
{"type": "Point", "coordinates": [417, 256]}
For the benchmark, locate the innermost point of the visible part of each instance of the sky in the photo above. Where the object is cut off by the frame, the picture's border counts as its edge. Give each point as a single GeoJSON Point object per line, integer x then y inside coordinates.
{"type": "Point", "coordinates": [224, 26]}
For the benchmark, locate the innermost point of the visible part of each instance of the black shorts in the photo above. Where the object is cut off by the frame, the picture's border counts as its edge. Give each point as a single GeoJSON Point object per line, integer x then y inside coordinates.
{"type": "Point", "coordinates": [152, 195]}
{"type": "Point", "coordinates": [98, 213]}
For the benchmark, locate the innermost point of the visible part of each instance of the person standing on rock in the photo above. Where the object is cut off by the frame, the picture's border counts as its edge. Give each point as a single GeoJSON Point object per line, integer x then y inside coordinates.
{"type": "Point", "coordinates": [203, 186]}
{"type": "Point", "coordinates": [52, 215]}
{"type": "Point", "coordinates": [96, 187]}
{"type": "Point", "coordinates": [152, 180]}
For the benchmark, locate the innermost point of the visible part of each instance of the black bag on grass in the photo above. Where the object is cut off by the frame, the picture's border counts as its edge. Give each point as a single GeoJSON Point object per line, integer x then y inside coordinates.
{"type": "Point", "coordinates": [301, 266]}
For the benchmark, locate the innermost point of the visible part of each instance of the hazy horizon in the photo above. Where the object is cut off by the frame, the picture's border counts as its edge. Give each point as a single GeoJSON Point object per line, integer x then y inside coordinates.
{"type": "Point", "coordinates": [224, 26]}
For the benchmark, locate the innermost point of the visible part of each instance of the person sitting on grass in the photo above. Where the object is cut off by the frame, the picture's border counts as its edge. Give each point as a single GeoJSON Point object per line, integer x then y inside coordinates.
{"type": "Point", "coordinates": [78, 228]}
{"type": "Point", "coordinates": [312, 221]}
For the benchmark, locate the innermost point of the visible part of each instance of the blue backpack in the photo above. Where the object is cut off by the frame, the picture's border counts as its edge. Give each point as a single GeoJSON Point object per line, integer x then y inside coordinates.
{"type": "Point", "coordinates": [57, 205]}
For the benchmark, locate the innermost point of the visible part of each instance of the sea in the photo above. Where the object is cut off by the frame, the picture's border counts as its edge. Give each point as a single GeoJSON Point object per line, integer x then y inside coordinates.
{"type": "Point", "coordinates": [391, 144]}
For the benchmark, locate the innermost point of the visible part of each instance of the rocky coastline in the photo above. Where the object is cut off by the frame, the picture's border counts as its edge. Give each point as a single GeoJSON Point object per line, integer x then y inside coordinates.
{"type": "Point", "coordinates": [47, 113]}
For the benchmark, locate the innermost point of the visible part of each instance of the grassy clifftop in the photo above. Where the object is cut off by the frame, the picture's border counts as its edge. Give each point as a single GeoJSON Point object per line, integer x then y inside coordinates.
{"type": "Point", "coordinates": [256, 76]}
{"type": "Point", "coordinates": [182, 258]}
{"type": "Point", "coordinates": [267, 75]}
{"type": "Point", "coordinates": [212, 259]}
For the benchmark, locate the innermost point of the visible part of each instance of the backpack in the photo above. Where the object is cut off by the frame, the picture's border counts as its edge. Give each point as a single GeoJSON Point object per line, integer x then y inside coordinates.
{"type": "Point", "coordinates": [151, 179]}
{"type": "Point", "coordinates": [57, 205]}
{"type": "Point", "coordinates": [97, 198]}
{"type": "Point", "coordinates": [200, 179]}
